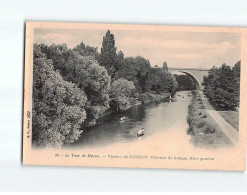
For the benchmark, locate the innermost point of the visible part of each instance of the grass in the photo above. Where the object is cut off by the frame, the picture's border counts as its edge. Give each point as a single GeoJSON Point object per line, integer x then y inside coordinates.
{"type": "Point", "coordinates": [203, 129]}
{"type": "Point", "coordinates": [232, 117]}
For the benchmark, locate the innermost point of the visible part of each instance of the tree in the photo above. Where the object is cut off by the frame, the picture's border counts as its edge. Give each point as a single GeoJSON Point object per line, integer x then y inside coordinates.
{"type": "Point", "coordinates": [222, 86]}
{"type": "Point", "coordinates": [127, 70]}
{"type": "Point", "coordinates": [58, 105]}
{"type": "Point", "coordinates": [108, 56]}
{"type": "Point", "coordinates": [165, 67]}
{"type": "Point", "coordinates": [168, 82]}
{"type": "Point", "coordinates": [96, 84]}
{"type": "Point", "coordinates": [160, 81]}
{"type": "Point", "coordinates": [86, 73]}
{"type": "Point", "coordinates": [84, 50]}
{"type": "Point", "coordinates": [236, 71]}
{"type": "Point", "coordinates": [153, 81]}
{"type": "Point", "coordinates": [120, 94]}
{"type": "Point", "coordinates": [136, 70]}
{"type": "Point", "coordinates": [120, 66]}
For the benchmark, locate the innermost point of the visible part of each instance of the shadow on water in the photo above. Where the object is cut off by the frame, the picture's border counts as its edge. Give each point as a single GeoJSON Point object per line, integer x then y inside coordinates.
{"type": "Point", "coordinates": [153, 117]}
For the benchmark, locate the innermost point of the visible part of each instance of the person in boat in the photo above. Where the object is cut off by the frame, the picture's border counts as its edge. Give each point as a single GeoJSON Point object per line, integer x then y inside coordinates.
{"type": "Point", "coordinates": [140, 132]}
{"type": "Point", "coordinates": [122, 118]}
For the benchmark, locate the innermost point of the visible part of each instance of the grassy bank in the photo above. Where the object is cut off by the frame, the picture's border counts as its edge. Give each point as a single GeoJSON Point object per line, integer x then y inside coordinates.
{"type": "Point", "coordinates": [232, 117]}
{"type": "Point", "coordinates": [203, 129]}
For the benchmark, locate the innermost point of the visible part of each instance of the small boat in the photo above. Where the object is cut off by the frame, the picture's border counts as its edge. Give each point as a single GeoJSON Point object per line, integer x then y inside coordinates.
{"type": "Point", "coordinates": [122, 118]}
{"type": "Point", "coordinates": [140, 132]}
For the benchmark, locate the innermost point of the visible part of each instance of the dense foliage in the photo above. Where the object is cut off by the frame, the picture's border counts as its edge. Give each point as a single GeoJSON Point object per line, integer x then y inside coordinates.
{"type": "Point", "coordinates": [135, 69]}
{"type": "Point", "coordinates": [121, 92]}
{"type": "Point", "coordinates": [74, 87]}
{"type": "Point", "coordinates": [222, 86]}
{"type": "Point", "coordinates": [86, 50]}
{"type": "Point", "coordinates": [58, 105]}
{"type": "Point", "coordinates": [86, 73]}
{"type": "Point", "coordinates": [159, 81]}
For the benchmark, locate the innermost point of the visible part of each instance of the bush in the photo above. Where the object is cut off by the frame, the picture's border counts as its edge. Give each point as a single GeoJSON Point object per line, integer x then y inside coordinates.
{"type": "Point", "coordinates": [202, 107]}
{"type": "Point", "coordinates": [209, 130]}
{"type": "Point", "coordinates": [201, 124]}
{"type": "Point", "coordinates": [190, 114]}
{"type": "Point", "coordinates": [194, 92]}
{"type": "Point", "coordinates": [191, 130]}
{"type": "Point", "coordinates": [189, 119]}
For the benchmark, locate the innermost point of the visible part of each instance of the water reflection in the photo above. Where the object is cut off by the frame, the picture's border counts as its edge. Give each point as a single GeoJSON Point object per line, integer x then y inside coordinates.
{"type": "Point", "coordinates": [153, 117]}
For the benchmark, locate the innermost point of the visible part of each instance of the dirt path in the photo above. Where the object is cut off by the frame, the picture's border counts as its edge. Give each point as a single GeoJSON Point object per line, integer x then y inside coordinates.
{"type": "Point", "coordinates": [229, 130]}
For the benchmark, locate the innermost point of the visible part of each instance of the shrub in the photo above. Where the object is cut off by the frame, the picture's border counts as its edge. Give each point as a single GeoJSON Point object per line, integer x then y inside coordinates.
{"type": "Point", "coordinates": [189, 119]}
{"type": "Point", "coordinates": [209, 130]}
{"type": "Point", "coordinates": [201, 124]}
{"type": "Point", "coordinates": [191, 130]}
{"type": "Point", "coordinates": [194, 92]}
{"type": "Point", "coordinates": [202, 107]}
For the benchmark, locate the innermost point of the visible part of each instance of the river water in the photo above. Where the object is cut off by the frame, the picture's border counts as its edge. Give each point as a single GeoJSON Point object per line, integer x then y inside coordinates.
{"type": "Point", "coordinates": [153, 117]}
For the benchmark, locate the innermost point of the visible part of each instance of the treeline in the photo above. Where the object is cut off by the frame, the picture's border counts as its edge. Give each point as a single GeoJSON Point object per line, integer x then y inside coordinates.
{"type": "Point", "coordinates": [222, 86]}
{"type": "Point", "coordinates": [72, 88]}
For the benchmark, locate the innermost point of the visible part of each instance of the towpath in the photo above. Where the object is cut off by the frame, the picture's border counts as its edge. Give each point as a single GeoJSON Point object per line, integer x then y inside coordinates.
{"type": "Point", "coordinates": [229, 130]}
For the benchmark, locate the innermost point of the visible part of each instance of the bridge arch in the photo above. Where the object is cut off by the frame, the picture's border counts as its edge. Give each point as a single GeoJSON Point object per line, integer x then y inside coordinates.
{"type": "Point", "coordinates": [195, 80]}
{"type": "Point", "coordinates": [196, 74]}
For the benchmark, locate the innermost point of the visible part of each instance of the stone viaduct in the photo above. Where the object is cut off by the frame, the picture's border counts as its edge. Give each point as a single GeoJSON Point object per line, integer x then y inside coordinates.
{"type": "Point", "coordinates": [196, 74]}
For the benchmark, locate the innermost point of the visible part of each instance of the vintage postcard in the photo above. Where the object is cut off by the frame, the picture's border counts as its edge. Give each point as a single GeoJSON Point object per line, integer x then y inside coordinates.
{"type": "Point", "coordinates": [137, 96]}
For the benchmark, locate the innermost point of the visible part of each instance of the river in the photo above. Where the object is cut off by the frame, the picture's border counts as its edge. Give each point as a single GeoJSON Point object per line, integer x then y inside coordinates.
{"type": "Point", "coordinates": [153, 117]}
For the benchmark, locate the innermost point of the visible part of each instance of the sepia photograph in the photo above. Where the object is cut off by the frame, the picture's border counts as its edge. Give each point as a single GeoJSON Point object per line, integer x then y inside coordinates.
{"type": "Point", "coordinates": [133, 96]}
{"type": "Point", "coordinates": [124, 96]}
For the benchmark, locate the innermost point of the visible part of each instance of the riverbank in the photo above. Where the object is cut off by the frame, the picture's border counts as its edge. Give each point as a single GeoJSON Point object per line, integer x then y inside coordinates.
{"type": "Point", "coordinates": [143, 98]}
{"type": "Point", "coordinates": [204, 131]}
{"type": "Point", "coordinates": [154, 117]}
{"type": "Point", "coordinates": [149, 97]}
{"type": "Point", "coordinates": [231, 116]}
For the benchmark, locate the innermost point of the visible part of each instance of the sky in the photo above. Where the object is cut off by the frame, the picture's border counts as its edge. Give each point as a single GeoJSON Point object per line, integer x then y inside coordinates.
{"type": "Point", "coordinates": [178, 49]}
